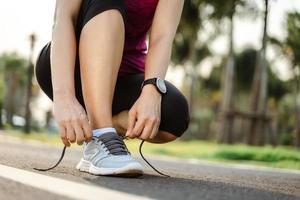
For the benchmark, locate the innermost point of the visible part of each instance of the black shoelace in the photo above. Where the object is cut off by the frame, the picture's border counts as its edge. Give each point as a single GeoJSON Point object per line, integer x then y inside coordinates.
{"type": "Point", "coordinates": [113, 144]}
{"type": "Point", "coordinates": [60, 159]}
{"type": "Point", "coordinates": [140, 150]}
{"type": "Point", "coordinates": [116, 147]}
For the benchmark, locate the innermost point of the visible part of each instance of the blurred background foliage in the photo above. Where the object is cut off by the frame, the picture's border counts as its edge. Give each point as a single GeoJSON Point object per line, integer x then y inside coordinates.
{"type": "Point", "coordinates": [243, 100]}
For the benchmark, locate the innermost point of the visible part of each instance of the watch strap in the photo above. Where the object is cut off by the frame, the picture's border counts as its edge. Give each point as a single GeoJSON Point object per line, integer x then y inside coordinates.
{"type": "Point", "coordinates": [149, 81]}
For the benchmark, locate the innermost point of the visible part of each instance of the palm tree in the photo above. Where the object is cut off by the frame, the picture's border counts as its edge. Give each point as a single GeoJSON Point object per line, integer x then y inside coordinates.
{"type": "Point", "coordinates": [2, 90]}
{"type": "Point", "coordinates": [227, 105]}
{"type": "Point", "coordinates": [259, 94]}
{"type": "Point", "coordinates": [227, 11]}
{"type": "Point", "coordinates": [29, 85]}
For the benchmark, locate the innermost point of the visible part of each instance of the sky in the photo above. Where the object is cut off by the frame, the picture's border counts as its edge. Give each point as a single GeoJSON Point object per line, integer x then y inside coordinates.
{"type": "Point", "coordinates": [17, 22]}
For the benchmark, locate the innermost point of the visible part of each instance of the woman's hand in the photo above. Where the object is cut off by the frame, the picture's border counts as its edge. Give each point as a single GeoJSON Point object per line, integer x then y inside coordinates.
{"type": "Point", "coordinates": [72, 120]}
{"type": "Point", "coordinates": [144, 116]}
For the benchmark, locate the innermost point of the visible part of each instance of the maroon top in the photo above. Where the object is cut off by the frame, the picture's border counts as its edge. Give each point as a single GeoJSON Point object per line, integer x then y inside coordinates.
{"type": "Point", "coordinates": [139, 19]}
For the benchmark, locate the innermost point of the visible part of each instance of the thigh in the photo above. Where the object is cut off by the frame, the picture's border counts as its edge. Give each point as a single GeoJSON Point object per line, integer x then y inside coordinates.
{"type": "Point", "coordinates": [175, 116]}
{"type": "Point", "coordinates": [91, 8]}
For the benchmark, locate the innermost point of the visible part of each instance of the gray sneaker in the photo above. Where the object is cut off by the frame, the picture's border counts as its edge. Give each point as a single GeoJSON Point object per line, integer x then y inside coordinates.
{"type": "Point", "coordinates": [108, 155]}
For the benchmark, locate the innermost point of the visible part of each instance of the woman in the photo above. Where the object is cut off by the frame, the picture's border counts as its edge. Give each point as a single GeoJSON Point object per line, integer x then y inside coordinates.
{"type": "Point", "coordinates": [105, 85]}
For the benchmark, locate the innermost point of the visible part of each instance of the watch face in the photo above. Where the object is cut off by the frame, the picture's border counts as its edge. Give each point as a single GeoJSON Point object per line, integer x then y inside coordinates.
{"type": "Point", "coordinates": [161, 85]}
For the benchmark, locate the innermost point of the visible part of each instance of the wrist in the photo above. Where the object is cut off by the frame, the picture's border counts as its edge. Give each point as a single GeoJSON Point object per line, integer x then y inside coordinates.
{"type": "Point", "coordinates": [157, 83]}
{"type": "Point", "coordinates": [150, 88]}
{"type": "Point", "coordinates": [63, 94]}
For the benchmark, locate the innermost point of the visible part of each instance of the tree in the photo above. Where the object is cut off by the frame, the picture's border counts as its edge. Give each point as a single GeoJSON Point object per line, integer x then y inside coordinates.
{"type": "Point", "coordinates": [29, 85]}
{"type": "Point", "coordinates": [2, 91]}
{"type": "Point", "coordinates": [259, 93]}
{"type": "Point", "coordinates": [227, 11]}
{"type": "Point", "coordinates": [291, 47]}
{"type": "Point", "coordinates": [14, 68]}
{"type": "Point", "coordinates": [244, 70]}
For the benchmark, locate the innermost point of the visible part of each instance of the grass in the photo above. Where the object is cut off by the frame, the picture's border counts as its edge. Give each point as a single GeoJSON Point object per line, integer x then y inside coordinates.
{"type": "Point", "coordinates": [279, 157]}
{"type": "Point", "coordinates": [38, 136]}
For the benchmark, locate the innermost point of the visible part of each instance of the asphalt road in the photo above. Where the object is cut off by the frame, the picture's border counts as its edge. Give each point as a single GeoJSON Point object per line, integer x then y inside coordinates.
{"type": "Point", "coordinates": [199, 180]}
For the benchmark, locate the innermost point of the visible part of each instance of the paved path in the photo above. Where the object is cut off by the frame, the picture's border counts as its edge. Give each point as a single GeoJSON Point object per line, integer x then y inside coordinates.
{"type": "Point", "coordinates": [199, 180]}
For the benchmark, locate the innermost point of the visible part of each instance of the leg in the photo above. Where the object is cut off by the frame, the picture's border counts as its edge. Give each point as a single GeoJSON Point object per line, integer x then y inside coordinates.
{"type": "Point", "coordinates": [174, 109]}
{"type": "Point", "coordinates": [120, 121]}
{"type": "Point", "coordinates": [91, 20]}
{"type": "Point", "coordinates": [100, 36]}
{"type": "Point", "coordinates": [100, 53]}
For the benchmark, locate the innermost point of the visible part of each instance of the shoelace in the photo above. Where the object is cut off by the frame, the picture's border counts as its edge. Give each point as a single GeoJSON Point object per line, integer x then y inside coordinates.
{"type": "Point", "coordinates": [60, 159]}
{"type": "Point", "coordinates": [110, 148]}
{"type": "Point", "coordinates": [140, 151]}
{"type": "Point", "coordinates": [114, 145]}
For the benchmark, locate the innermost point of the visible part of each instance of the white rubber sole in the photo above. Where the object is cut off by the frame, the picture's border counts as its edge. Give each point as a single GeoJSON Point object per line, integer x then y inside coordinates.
{"type": "Point", "coordinates": [130, 170]}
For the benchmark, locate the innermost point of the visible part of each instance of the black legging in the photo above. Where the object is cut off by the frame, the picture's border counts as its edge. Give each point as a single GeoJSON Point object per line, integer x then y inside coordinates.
{"type": "Point", "coordinates": [174, 107]}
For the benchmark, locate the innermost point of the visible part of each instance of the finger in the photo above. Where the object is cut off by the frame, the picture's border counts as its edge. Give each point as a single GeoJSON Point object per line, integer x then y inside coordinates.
{"type": "Point", "coordinates": [63, 135]}
{"type": "Point", "coordinates": [87, 130]}
{"type": "Point", "coordinates": [154, 131]}
{"type": "Point", "coordinates": [78, 131]}
{"type": "Point", "coordinates": [70, 132]}
{"type": "Point", "coordinates": [85, 125]}
{"type": "Point", "coordinates": [131, 122]}
{"type": "Point", "coordinates": [146, 131]}
{"type": "Point", "coordinates": [137, 129]}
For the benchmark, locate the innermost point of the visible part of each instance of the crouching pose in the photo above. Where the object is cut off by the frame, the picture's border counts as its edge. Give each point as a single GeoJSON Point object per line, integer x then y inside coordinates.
{"type": "Point", "coordinates": [105, 85]}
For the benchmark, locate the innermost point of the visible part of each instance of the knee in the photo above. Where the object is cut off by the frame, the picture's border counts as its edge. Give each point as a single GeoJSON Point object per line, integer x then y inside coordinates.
{"type": "Point", "coordinates": [163, 137]}
{"type": "Point", "coordinates": [175, 111]}
{"type": "Point", "coordinates": [181, 111]}
{"type": "Point", "coordinates": [42, 70]}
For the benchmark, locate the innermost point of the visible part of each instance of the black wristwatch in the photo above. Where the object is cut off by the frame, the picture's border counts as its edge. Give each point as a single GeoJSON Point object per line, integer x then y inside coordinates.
{"type": "Point", "coordinates": [159, 84]}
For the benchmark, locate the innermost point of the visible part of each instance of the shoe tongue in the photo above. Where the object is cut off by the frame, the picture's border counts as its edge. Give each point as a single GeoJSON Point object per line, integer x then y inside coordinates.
{"type": "Point", "coordinates": [108, 136]}
{"type": "Point", "coordinates": [114, 143]}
